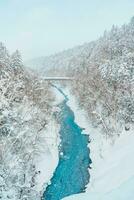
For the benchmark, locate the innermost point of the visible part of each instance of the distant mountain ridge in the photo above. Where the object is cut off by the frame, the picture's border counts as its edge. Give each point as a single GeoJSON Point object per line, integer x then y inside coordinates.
{"type": "Point", "coordinates": [65, 59]}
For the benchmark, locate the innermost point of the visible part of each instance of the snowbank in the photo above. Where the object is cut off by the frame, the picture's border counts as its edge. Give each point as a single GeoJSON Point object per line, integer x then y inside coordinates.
{"type": "Point", "coordinates": [48, 159]}
{"type": "Point", "coordinates": [112, 173]}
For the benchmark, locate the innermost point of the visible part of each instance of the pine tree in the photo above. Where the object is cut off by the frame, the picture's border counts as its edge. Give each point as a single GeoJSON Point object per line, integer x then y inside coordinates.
{"type": "Point", "coordinates": [4, 56]}
{"type": "Point", "coordinates": [16, 61]}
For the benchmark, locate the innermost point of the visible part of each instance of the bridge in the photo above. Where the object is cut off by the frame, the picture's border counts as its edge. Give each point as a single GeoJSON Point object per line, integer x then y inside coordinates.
{"type": "Point", "coordinates": [60, 78]}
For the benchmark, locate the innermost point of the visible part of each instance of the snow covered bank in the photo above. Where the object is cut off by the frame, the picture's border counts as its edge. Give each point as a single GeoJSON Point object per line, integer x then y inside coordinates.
{"type": "Point", "coordinates": [48, 159]}
{"type": "Point", "coordinates": [112, 174]}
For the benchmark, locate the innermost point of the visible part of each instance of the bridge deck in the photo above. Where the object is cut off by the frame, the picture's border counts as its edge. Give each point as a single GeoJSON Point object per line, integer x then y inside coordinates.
{"type": "Point", "coordinates": [58, 78]}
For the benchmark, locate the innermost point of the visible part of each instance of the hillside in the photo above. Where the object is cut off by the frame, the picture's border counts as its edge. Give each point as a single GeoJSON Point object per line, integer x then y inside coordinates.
{"type": "Point", "coordinates": [104, 83]}
{"type": "Point", "coordinates": [25, 112]}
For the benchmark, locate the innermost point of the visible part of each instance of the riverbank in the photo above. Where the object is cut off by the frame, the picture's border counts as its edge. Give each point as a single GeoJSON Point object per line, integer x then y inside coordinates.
{"type": "Point", "coordinates": [112, 161]}
{"type": "Point", "coordinates": [49, 157]}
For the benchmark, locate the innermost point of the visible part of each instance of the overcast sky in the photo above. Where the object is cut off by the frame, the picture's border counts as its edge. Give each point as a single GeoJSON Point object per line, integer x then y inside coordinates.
{"type": "Point", "coordinates": [43, 27]}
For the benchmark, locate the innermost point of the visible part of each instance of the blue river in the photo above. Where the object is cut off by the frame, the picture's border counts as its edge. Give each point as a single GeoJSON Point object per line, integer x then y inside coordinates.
{"type": "Point", "coordinates": [72, 173]}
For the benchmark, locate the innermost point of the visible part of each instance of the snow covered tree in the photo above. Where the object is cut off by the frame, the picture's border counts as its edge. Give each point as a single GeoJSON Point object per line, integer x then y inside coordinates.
{"type": "Point", "coordinates": [16, 61]}
{"type": "Point", "coordinates": [4, 56]}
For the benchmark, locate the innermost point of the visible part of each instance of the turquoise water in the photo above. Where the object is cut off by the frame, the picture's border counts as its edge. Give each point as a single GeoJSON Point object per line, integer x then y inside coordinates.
{"type": "Point", "coordinates": [72, 173]}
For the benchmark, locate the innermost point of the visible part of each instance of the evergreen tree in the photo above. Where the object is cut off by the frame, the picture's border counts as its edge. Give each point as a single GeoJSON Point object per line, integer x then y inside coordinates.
{"type": "Point", "coordinates": [4, 56]}
{"type": "Point", "coordinates": [16, 61]}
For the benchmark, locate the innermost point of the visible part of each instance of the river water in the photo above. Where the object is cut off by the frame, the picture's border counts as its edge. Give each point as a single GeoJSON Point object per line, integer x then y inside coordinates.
{"type": "Point", "coordinates": [72, 173]}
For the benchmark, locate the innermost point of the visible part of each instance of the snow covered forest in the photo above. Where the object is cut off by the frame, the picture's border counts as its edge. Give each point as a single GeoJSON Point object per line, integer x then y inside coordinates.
{"type": "Point", "coordinates": [105, 80]}
{"type": "Point", "coordinates": [103, 85]}
{"type": "Point", "coordinates": [104, 77]}
{"type": "Point", "coordinates": [25, 109]}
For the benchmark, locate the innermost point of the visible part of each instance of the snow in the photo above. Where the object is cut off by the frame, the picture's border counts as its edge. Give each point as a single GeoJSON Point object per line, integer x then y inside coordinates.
{"type": "Point", "coordinates": [58, 96]}
{"type": "Point", "coordinates": [48, 159]}
{"type": "Point", "coordinates": [112, 174]}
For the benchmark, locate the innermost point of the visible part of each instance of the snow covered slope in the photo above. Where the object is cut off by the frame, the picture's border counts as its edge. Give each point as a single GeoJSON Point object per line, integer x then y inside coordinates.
{"type": "Point", "coordinates": [112, 173]}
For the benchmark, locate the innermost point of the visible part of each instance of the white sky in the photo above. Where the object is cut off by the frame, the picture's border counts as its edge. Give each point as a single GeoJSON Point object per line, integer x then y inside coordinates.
{"type": "Point", "coordinates": [43, 27]}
